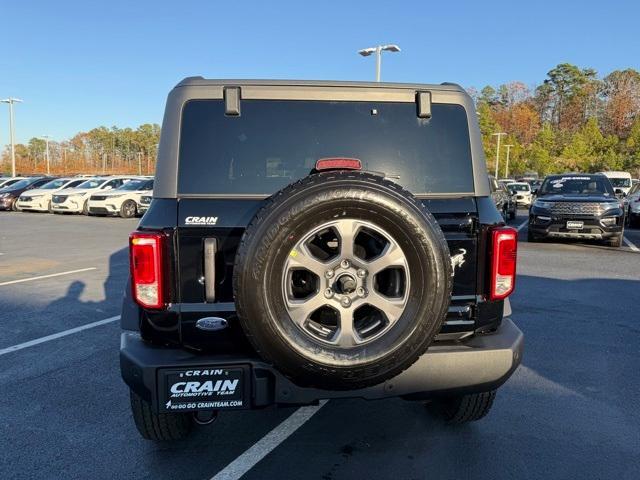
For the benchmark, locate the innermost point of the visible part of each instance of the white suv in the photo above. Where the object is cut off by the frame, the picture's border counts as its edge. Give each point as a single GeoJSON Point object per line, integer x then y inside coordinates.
{"type": "Point", "coordinates": [123, 201]}
{"type": "Point", "coordinates": [39, 199]}
{"type": "Point", "coordinates": [522, 191]}
{"type": "Point", "coordinates": [76, 200]}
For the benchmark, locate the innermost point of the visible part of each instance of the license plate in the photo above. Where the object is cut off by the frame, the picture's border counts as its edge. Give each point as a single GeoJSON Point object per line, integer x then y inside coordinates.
{"type": "Point", "coordinates": [573, 225]}
{"type": "Point", "coordinates": [202, 388]}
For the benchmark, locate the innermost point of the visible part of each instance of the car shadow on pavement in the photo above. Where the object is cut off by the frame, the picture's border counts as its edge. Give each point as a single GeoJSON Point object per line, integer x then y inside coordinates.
{"type": "Point", "coordinates": [112, 288]}
{"type": "Point", "coordinates": [218, 444]}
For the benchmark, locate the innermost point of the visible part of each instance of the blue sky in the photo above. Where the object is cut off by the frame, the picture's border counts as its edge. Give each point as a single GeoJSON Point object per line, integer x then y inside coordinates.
{"type": "Point", "coordinates": [79, 64]}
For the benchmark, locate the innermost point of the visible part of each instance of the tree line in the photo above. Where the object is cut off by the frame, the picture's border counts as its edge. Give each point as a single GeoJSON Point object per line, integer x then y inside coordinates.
{"type": "Point", "coordinates": [100, 150]}
{"type": "Point", "coordinates": [573, 121]}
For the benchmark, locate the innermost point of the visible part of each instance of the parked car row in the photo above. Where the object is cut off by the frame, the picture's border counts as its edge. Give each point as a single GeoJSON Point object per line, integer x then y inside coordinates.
{"type": "Point", "coordinates": [505, 199]}
{"type": "Point", "coordinates": [100, 195]}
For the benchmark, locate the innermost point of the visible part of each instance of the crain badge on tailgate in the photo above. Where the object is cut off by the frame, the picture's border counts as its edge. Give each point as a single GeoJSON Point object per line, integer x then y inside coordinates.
{"type": "Point", "coordinates": [201, 220]}
{"type": "Point", "coordinates": [212, 324]}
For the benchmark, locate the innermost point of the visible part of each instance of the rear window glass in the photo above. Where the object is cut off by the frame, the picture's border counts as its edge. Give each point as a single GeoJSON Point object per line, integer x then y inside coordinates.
{"type": "Point", "coordinates": [273, 143]}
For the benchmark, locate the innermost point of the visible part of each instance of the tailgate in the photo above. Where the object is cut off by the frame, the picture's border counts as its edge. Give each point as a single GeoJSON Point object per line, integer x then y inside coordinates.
{"type": "Point", "coordinates": [201, 221]}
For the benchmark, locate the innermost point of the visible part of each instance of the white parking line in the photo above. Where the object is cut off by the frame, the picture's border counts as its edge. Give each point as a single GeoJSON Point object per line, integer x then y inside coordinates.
{"type": "Point", "coordinates": [631, 245]}
{"type": "Point", "coordinates": [12, 282]}
{"type": "Point", "coordinates": [53, 336]}
{"type": "Point", "coordinates": [522, 225]}
{"type": "Point", "coordinates": [266, 444]}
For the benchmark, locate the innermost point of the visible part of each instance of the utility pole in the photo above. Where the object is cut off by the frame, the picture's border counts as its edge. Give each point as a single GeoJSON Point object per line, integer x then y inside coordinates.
{"type": "Point", "coordinates": [11, 101]}
{"type": "Point", "coordinates": [46, 139]}
{"type": "Point", "coordinates": [499, 135]}
{"type": "Point", "coordinates": [506, 168]}
{"type": "Point", "coordinates": [139, 155]}
{"type": "Point", "coordinates": [365, 52]}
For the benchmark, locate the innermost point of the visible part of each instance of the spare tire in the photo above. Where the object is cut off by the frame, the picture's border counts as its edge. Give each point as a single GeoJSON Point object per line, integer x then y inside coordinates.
{"type": "Point", "coordinates": [342, 280]}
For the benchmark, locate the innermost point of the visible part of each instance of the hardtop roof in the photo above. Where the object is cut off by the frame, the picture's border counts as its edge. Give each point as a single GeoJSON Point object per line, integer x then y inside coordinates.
{"type": "Point", "coordinates": [201, 81]}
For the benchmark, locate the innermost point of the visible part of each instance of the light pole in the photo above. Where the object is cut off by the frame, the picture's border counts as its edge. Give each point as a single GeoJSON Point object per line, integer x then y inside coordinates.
{"type": "Point", "coordinates": [11, 101]}
{"type": "Point", "coordinates": [365, 52]}
{"type": "Point", "coordinates": [46, 139]}
{"type": "Point", "coordinates": [499, 135]}
{"type": "Point", "coordinates": [506, 168]}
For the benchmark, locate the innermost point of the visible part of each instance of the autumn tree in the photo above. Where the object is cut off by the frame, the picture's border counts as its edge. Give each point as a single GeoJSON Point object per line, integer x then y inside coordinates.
{"type": "Point", "coordinates": [568, 96]}
{"type": "Point", "coordinates": [621, 93]}
{"type": "Point", "coordinates": [573, 121]}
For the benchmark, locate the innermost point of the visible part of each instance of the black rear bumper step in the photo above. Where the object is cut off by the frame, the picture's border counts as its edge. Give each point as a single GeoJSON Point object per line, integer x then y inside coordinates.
{"type": "Point", "coordinates": [480, 363]}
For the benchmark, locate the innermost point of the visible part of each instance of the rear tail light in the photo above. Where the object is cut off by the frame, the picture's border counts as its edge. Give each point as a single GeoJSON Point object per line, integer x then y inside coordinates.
{"type": "Point", "coordinates": [503, 262]}
{"type": "Point", "coordinates": [338, 163]}
{"type": "Point", "coordinates": [147, 272]}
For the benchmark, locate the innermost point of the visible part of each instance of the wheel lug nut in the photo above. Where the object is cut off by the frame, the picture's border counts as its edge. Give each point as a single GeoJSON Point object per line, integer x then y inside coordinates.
{"type": "Point", "coordinates": [361, 292]}
{"type": "Point", "coordinates": [362, 273]}
{"type": "Point", "coordinates": [328, 293]}
{"type": "Point", "coordinates": [345, 263]}
{"type": "Point", "coordinates": [345, 302]}
{"type": "Point", "coordinates": [329, 274]}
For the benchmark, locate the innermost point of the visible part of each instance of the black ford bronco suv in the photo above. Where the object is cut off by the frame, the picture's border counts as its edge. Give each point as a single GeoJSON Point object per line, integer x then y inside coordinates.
{"type": "Point", "coordinates": [577, 206]}
{"type": "Point", "coordinates": [317, 240]}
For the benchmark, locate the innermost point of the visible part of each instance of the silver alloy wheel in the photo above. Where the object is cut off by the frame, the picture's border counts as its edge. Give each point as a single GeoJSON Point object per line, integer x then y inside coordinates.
{"type": "Point", "coordinates": [129, 208]}
{"type": "Point", "coordinates": [346, 282]}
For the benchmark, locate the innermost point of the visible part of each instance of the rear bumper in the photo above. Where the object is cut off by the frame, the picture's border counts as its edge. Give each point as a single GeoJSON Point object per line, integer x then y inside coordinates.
{"type": "Point", "coordinates": [481, 363]}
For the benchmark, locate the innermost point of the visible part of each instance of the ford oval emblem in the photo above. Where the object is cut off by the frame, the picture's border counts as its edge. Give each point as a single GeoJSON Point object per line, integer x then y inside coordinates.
{"type": "Point", "coordinates": [212, 324]}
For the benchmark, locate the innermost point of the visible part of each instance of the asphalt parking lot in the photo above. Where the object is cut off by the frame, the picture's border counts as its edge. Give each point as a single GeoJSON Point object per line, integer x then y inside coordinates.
{"type": "Point", "coordinates": [570, 411]}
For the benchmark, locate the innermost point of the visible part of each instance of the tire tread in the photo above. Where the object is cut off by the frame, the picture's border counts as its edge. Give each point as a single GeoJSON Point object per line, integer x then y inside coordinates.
{"type": "Point", "coordinates": [468, 408]}
{"type": "Point", "coordinates": [158, 426]}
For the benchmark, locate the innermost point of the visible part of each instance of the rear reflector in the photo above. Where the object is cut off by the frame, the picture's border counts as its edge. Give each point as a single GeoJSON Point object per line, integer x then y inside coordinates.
{"type": "Point", "coordinates": [145, 260]}
{"type": "Point", "coordinates": [338, 163]}
{"type": "Point", "coordinates": [503, 262]}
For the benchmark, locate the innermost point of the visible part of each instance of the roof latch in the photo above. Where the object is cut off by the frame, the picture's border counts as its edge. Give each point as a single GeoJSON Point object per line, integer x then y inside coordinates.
{"type": "Point", "coordinates": [423, 101]}
{"type": "Point", "coordinates": [232, 101]}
